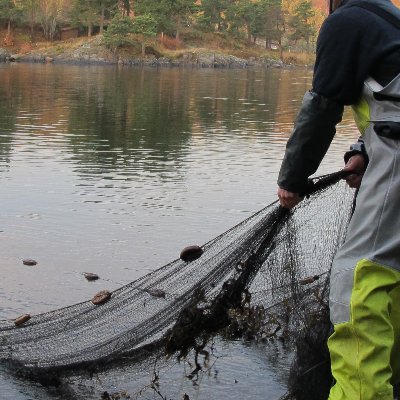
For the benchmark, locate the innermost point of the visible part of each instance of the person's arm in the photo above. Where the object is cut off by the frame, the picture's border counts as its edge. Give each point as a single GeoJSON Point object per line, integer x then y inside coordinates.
{"type": "Point", "coordinates": [313, 132]}
{"type": "Point", "coordinates": [336, 82]}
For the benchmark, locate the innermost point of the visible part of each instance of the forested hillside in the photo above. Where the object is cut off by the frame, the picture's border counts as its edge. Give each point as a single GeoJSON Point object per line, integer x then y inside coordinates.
{"type": "Point", "coordinates": [273, 24]}
{"type": "Point", "coordinates": [270, 21]}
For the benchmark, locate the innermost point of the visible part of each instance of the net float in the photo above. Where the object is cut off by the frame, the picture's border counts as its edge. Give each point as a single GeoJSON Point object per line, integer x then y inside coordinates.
{"type": "Point", "coordinates": [101, 297]}
{"type": "Point", "coordinates": [29, 261]}
{"type": "Point", "coordinates": [22, 319]}
{"type": "Point", "coordinates": [191, 253]}
{"type": "Point", "coordinates": [90, 276]}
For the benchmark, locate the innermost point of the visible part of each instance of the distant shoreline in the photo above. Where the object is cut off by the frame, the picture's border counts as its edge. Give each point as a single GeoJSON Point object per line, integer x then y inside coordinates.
{"type": "Point", "coordinates": [204, 61]}
{"type": "Point", "coordinates": [93, 52]}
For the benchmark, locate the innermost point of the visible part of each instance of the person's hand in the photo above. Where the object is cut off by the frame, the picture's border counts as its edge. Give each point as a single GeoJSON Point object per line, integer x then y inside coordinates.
{"type": "Point", "coordinates": [357, 165]}
{"type": "Point", "coordinates": [288, 199]}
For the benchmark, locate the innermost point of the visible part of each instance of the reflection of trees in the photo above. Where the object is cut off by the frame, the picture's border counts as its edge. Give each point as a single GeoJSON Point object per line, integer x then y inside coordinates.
{"type": "Point", "coordinates": [116, 118]}
{"type": "Point", "coordinates": [8, 113]}
{"type": "Point", "coordinates": [5, 144]}
{"type": "Point", "coordinates": [293, 86]}
{"type": "Point", "coordinates": [129, 110]}
{"type": "Point", "coordinates": [255, 97]}
{"type": "Point", "coordinates": [230, 99]}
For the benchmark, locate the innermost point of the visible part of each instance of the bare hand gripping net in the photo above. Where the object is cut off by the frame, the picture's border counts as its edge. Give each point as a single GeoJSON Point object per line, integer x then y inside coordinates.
{"type": "Point", "coordinates": [277, 261]}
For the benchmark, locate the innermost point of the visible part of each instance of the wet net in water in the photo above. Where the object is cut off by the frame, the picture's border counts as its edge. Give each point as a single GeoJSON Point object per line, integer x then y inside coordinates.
{"type": "Point", "coordinates": [265, 277]}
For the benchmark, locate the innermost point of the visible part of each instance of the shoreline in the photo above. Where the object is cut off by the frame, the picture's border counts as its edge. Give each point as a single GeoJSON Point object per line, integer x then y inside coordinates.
{"type": "Point", "coordinates": [93, 52]}
{"type": "Point", "coordinates": [215, 61]}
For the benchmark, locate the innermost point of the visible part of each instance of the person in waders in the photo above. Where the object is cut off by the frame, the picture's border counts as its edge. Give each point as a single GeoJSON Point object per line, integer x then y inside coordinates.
{"type": "Point", "coordinates": [358, 64]}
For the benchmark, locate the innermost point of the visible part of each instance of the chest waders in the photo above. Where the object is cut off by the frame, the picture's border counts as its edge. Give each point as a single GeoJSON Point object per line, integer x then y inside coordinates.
{"type": "Point", "coordinates": [365, 278]}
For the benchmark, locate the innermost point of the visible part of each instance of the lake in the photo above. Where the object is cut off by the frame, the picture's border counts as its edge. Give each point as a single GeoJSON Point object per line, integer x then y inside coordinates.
{"type": "Point", "coordinates": [114, 170]}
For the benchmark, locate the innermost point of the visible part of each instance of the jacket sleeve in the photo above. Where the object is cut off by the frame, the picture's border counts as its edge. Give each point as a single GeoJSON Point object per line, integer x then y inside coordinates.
{"type": "Point", "coordinates": [313, 132]}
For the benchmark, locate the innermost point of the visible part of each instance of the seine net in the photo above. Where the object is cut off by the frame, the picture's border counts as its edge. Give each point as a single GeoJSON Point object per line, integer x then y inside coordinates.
{"type": "Point", "coordinates": [265, 277]}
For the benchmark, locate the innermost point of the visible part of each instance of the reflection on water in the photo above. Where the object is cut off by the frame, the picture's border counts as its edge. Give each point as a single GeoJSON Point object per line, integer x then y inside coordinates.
{"type": "Point", "coordinates": [113, 170]}
{"type": "Point", "coordinates": [235, 371]}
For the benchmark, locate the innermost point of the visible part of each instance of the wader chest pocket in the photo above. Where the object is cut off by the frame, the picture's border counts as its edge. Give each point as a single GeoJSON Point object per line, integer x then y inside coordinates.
{"type": "Point", "coordinates": [388, 129]}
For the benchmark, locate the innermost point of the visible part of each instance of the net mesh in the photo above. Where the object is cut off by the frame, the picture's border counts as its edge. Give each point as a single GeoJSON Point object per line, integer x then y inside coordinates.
{"type": "Point", "coordinates": [272, 268]}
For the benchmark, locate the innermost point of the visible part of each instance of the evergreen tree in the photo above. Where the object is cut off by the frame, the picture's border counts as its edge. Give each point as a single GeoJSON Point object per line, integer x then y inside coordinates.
{"type": "Point", "coordinates": [212, 13]}
{"type": "Point", "coordinates": [107, 8]}
{"type": "Point", "coordinates": [145, 26]}
{"type": "Point", "coordinates": [181, 13]}
{"type": "Point", "coordinates": [170, 15]}
{"type": "Point", "coordinates": [242, 15]}
{"type": "Point", "coordinates": [119, 32]}
{"type": "Point", "coordinates": [302, 22]}
{"type": "Point", "coordinates": [274, 21]}
{"type": "Point", "coordinates": [85, 12]}
{"type": "Point", "coordinates": [9, 13]}
{"type": "Point", "coordinates": [88, 13]}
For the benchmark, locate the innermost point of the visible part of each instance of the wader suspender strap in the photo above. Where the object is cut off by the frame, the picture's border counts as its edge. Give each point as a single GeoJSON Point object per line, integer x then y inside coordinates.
{"type": "Point", "coordinates": [380, 12]}
{"type": "Point", "coordinates": [391, 19]}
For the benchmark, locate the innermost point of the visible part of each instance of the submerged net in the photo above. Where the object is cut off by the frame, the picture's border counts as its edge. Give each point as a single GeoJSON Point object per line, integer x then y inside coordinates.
{"type": "Point", "coordinates": [265, 277]}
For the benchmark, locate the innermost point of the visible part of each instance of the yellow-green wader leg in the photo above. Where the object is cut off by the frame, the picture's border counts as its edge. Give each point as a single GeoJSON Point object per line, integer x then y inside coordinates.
{"type": "Point", "coordinates": [365, 351]}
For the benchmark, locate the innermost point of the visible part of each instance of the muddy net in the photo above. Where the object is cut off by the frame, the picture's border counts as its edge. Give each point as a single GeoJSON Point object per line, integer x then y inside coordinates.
{"type": "Point", "coordinates": [264, 279]}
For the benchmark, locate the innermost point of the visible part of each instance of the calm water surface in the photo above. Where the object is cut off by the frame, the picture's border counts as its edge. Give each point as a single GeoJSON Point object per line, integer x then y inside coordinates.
{"type": "Point", "coordinates": [114, 171]}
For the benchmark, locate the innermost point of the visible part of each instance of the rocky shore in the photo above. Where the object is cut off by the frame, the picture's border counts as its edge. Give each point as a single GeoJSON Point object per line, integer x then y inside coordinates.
{"type": "Point", "coordinates": [94, 52]}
